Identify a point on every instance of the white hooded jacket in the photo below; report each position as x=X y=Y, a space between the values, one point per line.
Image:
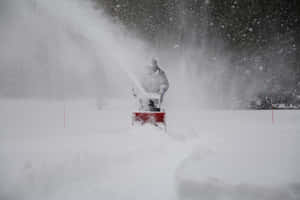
x=155 y=81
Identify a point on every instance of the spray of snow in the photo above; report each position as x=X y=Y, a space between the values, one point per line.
x=55 y=43
x=67 y=49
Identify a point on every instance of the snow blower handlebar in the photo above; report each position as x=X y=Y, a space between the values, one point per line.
x=156 y=98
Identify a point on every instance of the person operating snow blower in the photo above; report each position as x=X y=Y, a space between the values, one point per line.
x=154 y=84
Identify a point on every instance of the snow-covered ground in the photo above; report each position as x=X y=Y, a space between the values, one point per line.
x=98 y=155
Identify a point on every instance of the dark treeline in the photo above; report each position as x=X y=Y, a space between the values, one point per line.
x=261 y=37
x=248 y=25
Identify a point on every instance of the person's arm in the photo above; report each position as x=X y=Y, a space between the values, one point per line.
x=163 y=89
x=165 y=85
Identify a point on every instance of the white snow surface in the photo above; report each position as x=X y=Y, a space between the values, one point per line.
x=99 y=155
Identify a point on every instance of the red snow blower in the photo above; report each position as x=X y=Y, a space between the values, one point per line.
x=150 y=112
